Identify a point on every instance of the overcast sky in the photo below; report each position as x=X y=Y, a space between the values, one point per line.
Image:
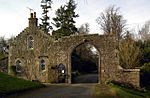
x=14 y=13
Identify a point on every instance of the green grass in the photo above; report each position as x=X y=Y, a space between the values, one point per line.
x=122 y=92
x=119 y=92
x=9 y=84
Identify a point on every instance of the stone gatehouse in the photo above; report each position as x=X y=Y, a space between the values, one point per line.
x=35 y=55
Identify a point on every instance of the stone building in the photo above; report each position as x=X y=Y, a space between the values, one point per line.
x=36 y=55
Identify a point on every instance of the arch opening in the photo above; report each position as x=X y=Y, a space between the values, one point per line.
x=85 y=64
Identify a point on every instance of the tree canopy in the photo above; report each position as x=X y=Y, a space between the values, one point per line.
x=46 y=6
x=64 y=20
x=144 y=32
x=129 y=52
x=111 y=21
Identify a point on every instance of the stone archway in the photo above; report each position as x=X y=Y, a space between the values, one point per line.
x=106 y=45
x=69 y=80
x=59 y=51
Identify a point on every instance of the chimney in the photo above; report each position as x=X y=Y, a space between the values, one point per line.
x=33 y=21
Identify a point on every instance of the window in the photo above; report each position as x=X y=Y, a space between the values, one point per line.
x=18 y=66
x=42 y=64
x=30 y=42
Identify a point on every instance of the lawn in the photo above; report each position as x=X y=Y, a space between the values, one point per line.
x=120 y=92
x=9 y=84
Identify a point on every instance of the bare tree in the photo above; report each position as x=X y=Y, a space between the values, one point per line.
x=129 y=52
x=84 y=29
x=144 y=32
x=111 y=21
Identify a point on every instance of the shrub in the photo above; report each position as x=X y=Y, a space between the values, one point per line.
x=145 y=75
x=146 y=67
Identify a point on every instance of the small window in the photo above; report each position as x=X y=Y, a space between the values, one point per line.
x=42 y=64
x=30 y=42
x=18 y=66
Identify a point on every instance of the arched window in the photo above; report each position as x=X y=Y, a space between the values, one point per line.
x=42 y=64
x=18 y=66
x=30 y=42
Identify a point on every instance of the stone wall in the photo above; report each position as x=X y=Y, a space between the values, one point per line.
x=130 y=76
x=56 y=52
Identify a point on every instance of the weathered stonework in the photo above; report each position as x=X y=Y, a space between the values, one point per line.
x=55 y=52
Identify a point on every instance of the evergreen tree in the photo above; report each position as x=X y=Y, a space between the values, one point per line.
x=64 y=20
x=45 y=25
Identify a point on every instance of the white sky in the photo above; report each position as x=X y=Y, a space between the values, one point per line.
x=14 y=13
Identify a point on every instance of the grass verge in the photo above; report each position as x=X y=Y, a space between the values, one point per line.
x=9 y=84
x=116 y=91
x=98 y=91
x=122 y=92
x=103 y=91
